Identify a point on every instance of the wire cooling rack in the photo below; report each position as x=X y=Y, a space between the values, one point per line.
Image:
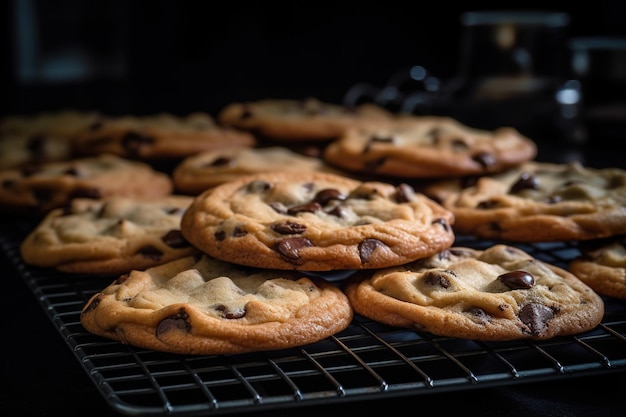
x=366 y=361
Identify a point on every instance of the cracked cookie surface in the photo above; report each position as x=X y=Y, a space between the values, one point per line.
x=500 y=293
x=199 y=305
x=317 y=222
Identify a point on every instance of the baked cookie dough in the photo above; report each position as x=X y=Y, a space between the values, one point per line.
x=109 y=237
x=602 y=265
x=202 y=306
x=500 y=293
x=290 y=120
x=36 y=190
x=428 y=147
x=315 y=221
x=198 y=172
x=537 y=202
x=158 y=137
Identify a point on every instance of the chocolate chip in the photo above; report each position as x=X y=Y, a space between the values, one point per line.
x=375 y=164
x=95 y=301
x=305 y=208
x=150 y=252
x=443 y=223
x=338 y=211
x=258 y=186
x=377 y=139
x=436 y=279
x=288 y=228
x=72 y=171
x=536 y=316
x=133 y=142
x=221 y=235
x=278 y=207
x=487 y=204
x=239 y=231
x=290 y=247
x=35 y=145
x=525 y=181
x=329 y=194
x=230 y=314
x=175 y=239
x=179 y=321
x=484 y=159
x=404 y=193
x=222 y=161
x=478 y=314
x=367 y=247
x=517 y=280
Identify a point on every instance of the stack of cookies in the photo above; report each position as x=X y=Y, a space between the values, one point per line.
x=233 y=247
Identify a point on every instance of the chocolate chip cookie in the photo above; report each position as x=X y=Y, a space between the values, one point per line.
x=110 y=236
x=202 y=306
x=36 y=190
x=316 y=221
x=537 y=202
x=602 y=265
x=428 y=147
x=290 y=120
x=500 y=293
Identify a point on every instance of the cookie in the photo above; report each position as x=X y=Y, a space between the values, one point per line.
x=40 y=138
x=428 y=147
x=500 y=293
x=537 y=202
x=36 y=190
x=602 y=266
x=109 y=237
x=158 y=137
x=198 y=172
x=202 y=306
x=288 y=120
x=315 y=221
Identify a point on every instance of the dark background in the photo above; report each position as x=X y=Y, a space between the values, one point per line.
x=139 y=57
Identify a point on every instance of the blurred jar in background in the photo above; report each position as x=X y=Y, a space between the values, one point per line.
x=513 y=71
x=599 y=64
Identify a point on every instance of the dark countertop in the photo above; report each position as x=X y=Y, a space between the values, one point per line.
x=42 y=377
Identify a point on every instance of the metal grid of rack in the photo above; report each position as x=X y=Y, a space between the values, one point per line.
x=366 y=361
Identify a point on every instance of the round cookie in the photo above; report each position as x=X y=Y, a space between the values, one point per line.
x=288 y=120
x=315 y=221
x=198 y=172
x=602 y=266
x=109 y=237
x=537 y=202
x=40 y=138
x=202 y=306
x=157 y=137
x=500 y=293
x=428 y=147
x=36 y=190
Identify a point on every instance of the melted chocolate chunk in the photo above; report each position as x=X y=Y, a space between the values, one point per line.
x=338 y=211
x=367 y=247
x=133 y=142
x=150 y=252
x=525 y=181
x=175 y=239
x=484 y=159
x=311 y=207
x=220 y=235
x=288 y=228
x=222 y=161
x=536 y=317
x=179 y=321
x=517 y=280
x=324 y=196
x=290 y=247
x=478 y=314
x=436 y=279
x=404 y=193
x=93 y=303
x=230 y=314
x=239 y=231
